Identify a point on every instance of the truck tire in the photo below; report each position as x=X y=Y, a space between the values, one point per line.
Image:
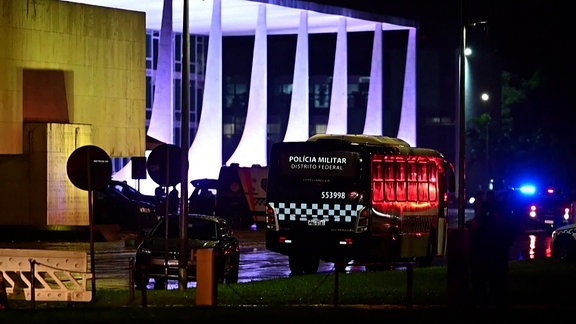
x=303 y=264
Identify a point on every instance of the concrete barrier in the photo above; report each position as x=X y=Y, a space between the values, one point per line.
x=58 y=275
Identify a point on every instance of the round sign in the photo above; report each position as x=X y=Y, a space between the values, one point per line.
x=89 y=167
x=164 y=165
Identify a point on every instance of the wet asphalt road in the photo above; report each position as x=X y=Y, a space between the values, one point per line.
x=113 y=259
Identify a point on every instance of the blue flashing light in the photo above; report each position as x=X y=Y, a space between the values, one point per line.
x=528 y=189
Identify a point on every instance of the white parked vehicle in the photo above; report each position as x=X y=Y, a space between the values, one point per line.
x=564 y=243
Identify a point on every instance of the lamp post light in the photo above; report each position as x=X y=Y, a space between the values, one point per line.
x=485 y=97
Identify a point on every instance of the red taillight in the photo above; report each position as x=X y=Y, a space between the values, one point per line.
x=270 y=216
x=284 y=239
x=346 y=241
x=363 y=219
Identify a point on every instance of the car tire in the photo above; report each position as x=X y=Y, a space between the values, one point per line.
x=159 y=283
x=231 y=277
x=565 y=248
x=139 y=281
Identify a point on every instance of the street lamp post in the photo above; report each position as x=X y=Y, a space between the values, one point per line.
x=461 y=128
x=184 y=146
x=457 y=247
x=488 y=168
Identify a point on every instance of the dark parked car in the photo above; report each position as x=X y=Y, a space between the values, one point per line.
x=118 y=203
x=124 y=188
x=204 y=231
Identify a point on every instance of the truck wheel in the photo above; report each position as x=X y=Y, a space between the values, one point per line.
x=296 y=265
x=311 y=265
x=340 y=267
x=303 y=264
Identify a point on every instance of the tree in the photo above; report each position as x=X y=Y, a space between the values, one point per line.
x=508 y=141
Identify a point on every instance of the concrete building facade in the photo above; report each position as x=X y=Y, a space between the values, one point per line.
x=69 y=79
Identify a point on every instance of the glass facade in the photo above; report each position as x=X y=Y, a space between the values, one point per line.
x=281 y=48
x=236 y=82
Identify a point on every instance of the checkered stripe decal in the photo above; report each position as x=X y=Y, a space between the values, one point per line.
x=260 y=201
x=305 y=211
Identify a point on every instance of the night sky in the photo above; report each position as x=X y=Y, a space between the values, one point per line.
x=526 y=34
x=524 y=38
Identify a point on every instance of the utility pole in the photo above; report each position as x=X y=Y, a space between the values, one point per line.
x=184 y=147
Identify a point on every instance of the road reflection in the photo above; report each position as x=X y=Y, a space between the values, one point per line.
x=532 y=245
x=257 y=263
x=113 y=260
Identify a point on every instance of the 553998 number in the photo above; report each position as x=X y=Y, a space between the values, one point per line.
x=333 y=195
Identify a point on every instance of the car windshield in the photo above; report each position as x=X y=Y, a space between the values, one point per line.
x=197 y=230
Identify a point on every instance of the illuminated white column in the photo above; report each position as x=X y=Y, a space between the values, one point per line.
x=407 y=128
x=298 y=120
x=252 y=148
x=162 y=119
x=338 y=117
x=205 y=154
x=373 y=122
x=161 y=125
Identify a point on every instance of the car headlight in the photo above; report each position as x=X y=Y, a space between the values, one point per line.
x=145 y=210
x=144 y=251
